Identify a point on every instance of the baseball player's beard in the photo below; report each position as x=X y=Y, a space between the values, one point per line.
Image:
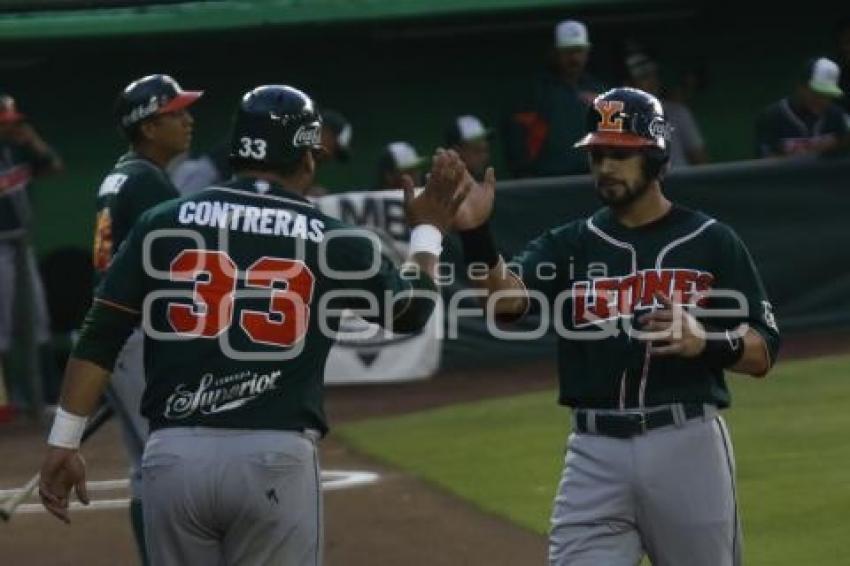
x=620 y=194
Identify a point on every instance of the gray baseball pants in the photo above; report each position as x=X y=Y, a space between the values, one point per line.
x=125 y=394
x=668 y=493
x=232 y=497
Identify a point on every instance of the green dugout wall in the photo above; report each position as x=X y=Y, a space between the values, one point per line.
x=399 y=75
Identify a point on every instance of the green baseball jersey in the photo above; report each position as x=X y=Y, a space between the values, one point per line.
x=134 y=185
x=240 y=289
x=601 y=276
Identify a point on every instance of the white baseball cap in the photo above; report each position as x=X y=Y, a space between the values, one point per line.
x=465 y=128
x=823 y=77
x=403 y=156
x=571 y=33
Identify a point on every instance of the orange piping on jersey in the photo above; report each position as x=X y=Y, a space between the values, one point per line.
x=117 y=306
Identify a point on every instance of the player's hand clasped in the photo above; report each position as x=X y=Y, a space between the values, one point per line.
x=671 y=330
x=444 y=192
x=478 y=205
x=62 y=469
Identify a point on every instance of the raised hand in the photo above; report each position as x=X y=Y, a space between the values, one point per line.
x=478 y=205
x=444 y=193
x=62 y=470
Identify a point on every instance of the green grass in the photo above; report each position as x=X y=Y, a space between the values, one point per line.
x=791 y=441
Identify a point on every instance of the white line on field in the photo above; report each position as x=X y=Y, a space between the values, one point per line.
x=105 y=485
x=332 y=480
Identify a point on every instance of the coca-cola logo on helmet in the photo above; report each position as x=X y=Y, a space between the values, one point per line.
x=308 y=135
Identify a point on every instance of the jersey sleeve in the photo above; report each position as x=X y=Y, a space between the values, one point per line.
x=117 y=305
x=401 y=299
x=737 y=272
x=123 y=285
x=538 y=266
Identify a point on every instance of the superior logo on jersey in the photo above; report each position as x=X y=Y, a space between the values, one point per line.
x=607 y=110
x=610 y=298
x=251 y=219
x=219 y=395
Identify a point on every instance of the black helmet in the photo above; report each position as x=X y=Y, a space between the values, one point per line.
x=627 y=117
x=150 y=96
x=274 y=126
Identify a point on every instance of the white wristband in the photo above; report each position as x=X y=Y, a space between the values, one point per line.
x=67 y=430
x=426 y=238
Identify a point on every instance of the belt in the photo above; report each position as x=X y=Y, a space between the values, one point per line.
x=626 y=424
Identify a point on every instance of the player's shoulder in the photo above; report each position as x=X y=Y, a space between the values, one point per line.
x=132 y=171
x=712 y=227
x=260 y=193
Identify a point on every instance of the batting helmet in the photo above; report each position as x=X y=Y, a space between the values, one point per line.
x=273 y=128
x=628 y=117
x=150 y=96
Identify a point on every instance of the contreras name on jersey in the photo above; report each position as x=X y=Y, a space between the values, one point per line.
x=251 y=219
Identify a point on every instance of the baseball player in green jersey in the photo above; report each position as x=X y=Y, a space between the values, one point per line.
x=152 y=113
x=240 y=289
x=642 y=349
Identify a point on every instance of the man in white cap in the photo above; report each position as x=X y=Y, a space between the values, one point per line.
x=809 y=121
x=543 y=129
x=687 y=146
x=471 y=140
x=398 y=159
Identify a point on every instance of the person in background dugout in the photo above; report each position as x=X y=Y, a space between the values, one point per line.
x=336 y=144
x=191 y=173
x=399 y=159
x=24 y=156
x=809 y=121
x=336 y=137
x=471 y=140
x=541 y=131
x=686 y=144
x=842 y=36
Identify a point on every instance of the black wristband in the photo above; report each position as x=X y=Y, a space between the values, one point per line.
x=479 y=246
x=722 y=351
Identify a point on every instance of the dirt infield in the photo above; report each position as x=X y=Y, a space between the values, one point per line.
x=398 y=520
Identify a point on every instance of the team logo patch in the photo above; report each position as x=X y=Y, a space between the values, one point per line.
x=142 y=111
x=308 y=135
x=659 y=128
x=609 y=298
x=607 y=110
x=768 y=316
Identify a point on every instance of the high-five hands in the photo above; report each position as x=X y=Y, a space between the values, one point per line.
x=443 y=195
x=478 y=206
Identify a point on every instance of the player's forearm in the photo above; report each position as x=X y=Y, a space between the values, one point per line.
x=82 y=386
x=502 y=286
x=426 y=263
x=755 y=360
x=487 y=270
